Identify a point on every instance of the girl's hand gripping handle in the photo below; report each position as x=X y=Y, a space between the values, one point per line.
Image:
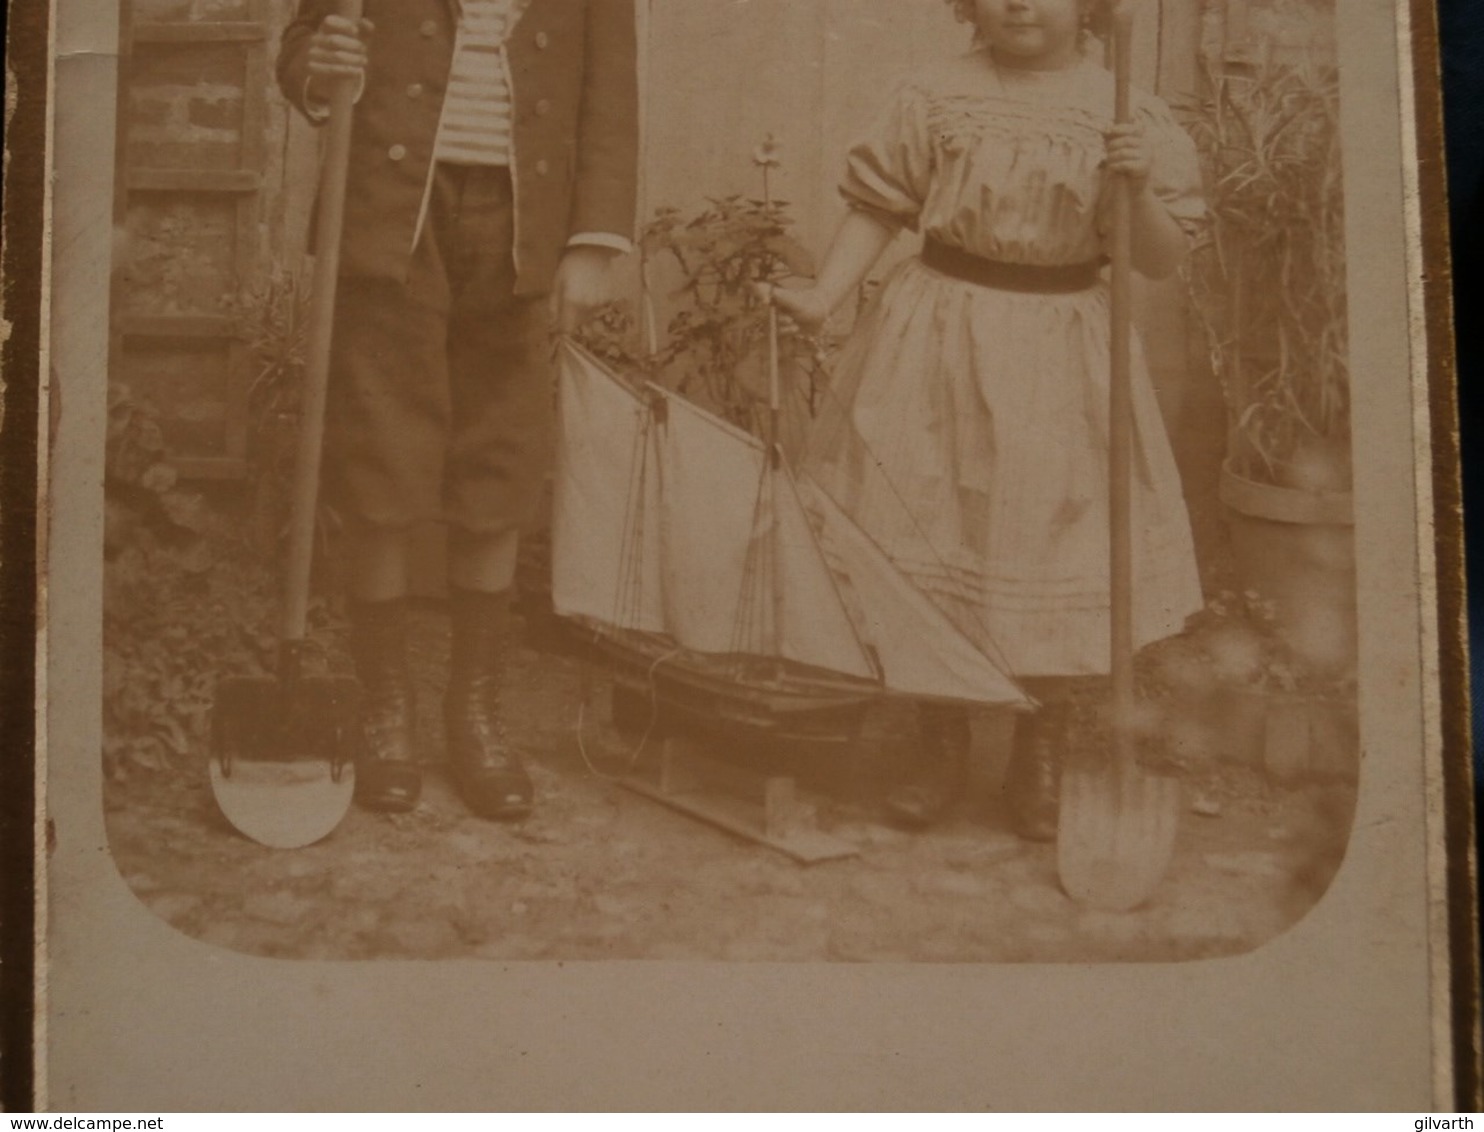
x=857 y=246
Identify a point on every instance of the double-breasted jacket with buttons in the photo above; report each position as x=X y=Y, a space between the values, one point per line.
x=574 y=150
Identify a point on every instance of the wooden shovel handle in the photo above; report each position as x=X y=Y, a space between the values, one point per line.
x=1120 y=414
x=329 y=222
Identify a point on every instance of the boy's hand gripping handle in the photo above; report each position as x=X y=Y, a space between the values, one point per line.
x=330 y=220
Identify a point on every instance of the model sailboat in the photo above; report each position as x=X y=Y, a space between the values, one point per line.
x=727 y=585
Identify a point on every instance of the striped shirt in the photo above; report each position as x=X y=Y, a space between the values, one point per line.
x=475 y=128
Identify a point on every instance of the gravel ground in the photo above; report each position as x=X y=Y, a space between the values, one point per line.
x=599 y=872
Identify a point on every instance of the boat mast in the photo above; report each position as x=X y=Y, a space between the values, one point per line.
x=767 y=158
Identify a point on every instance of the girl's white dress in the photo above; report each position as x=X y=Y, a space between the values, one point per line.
x=967 y=427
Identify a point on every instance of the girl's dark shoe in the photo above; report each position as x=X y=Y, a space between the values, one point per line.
x=942 y=777
x=387 y=774
x=488 y=773
x=1033 y=779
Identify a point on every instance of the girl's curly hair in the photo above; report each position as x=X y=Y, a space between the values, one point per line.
x=1098 y=18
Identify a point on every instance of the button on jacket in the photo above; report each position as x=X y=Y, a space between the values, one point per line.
x=574 y=161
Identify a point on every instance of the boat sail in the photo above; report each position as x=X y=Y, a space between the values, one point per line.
x=691 y=550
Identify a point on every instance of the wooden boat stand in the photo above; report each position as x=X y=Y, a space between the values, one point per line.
x=763 y=808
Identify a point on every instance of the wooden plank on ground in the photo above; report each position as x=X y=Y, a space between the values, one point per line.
x=761 y=808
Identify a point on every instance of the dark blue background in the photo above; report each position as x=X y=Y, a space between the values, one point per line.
x=1461 y=23
x=1462 y=27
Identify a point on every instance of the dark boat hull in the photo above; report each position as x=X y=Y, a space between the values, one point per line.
x=782 y=701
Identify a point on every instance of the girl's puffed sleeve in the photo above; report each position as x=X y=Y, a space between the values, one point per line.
x=1176 y=173
x=887 y=174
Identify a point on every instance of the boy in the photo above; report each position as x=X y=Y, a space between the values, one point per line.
x=492 y=176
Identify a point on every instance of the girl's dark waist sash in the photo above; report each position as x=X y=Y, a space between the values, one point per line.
x=1029 y=278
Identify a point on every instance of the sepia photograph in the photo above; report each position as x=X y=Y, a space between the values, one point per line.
x=808 y=512
x=749 y=597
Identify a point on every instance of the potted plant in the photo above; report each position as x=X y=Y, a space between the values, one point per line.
x=1267 y=282
x=704 y=267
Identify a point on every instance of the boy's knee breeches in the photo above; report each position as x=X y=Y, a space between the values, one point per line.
x=441 y=397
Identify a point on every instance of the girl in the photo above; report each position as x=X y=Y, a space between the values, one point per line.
x=967 y=430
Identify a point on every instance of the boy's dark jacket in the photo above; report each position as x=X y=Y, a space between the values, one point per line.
x=575 y=132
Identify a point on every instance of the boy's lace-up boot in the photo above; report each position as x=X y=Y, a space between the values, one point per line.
x=487 y=771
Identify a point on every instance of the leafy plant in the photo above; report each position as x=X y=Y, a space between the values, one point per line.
x=273 y=313
x=715 y=348
x=186 y=599
x=1268 y=277
x=155 y=551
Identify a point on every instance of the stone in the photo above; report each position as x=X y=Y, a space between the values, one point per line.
x=513 y=946
x=870 y=836
x=1113 y=927
x=945 y=949
x=1286 y=740
x=750 y=950
x=985 y=848
x=609 y=905
x=1039 y=899
x=675 y=950
x=226 y=935
x=478 y=845
x=878 y=888
x=1046 y=933
x=537 y=891
x=172 y=907
x=610 y=930
x=785 y=882
x=863 y=951
x=277 y=908
x=1207 y=925
x=1206 y=807
x=448 y=876
x=1246 y=864
x=304 y=867
x=424 y=937
x=950 y=884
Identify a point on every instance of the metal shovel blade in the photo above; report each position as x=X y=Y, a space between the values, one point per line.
x=282 y=762
x=1115 y=836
